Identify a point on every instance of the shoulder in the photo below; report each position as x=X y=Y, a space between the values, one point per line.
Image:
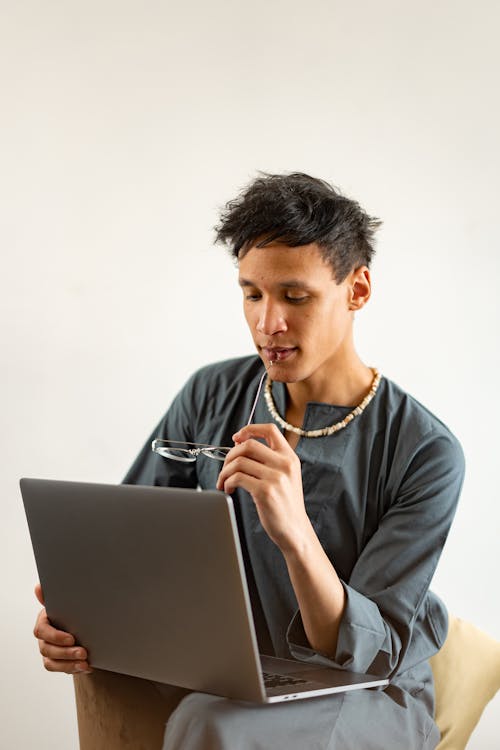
x=229 y=369
x=227 y=373
x=404 y=411
x=413 y=429
x=222 y=382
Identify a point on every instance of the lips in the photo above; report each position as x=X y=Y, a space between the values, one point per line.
x=278 y=354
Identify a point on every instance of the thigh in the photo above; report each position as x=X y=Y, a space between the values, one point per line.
x=368 y=719
x=389 y=719
x=118 y=712
x=207 y=722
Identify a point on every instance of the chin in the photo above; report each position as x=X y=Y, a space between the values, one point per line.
x=283 y=374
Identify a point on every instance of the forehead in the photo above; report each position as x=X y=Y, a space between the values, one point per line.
x=277 y=262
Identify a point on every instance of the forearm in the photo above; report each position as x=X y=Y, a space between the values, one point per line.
x=319 y=591
x=271 y=474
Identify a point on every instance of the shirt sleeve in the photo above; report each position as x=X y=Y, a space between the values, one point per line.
x=388 y=607
x=150 y=468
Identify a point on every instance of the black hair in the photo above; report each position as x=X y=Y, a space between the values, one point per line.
x=298 y=209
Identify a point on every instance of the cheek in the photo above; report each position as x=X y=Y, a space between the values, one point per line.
x=250 y=318
x=308 y=324
x=323 y=330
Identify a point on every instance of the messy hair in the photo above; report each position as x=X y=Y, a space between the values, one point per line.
x=297 y=209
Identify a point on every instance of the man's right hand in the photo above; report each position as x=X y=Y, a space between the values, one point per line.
x=57 y=647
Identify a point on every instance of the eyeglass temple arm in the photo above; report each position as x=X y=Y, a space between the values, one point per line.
x=257 y=397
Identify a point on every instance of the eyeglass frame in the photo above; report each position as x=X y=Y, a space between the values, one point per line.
x=192 y=452
x=197 y=449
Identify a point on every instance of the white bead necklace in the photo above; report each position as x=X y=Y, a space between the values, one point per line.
x=324 y=430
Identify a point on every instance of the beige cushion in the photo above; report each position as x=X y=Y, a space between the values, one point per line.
x=467 y=676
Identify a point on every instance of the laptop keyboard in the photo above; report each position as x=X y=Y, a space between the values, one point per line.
x=280 y=680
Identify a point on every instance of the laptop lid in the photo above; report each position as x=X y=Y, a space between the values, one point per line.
x=149 y=579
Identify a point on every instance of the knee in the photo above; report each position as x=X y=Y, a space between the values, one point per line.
x=201 y=721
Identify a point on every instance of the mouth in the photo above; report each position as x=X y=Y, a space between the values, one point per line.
x=277 y=354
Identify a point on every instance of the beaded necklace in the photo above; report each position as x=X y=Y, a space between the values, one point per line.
x=324 y=430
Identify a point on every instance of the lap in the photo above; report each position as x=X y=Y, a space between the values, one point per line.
x=375 y=719
x=119 y=711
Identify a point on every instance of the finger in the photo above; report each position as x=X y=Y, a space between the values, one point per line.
x=62 y=653
x=244 y=481
x=39 y=594
x=269 y=432
x=242 y=465
x=259 y=453
x=253 y=449
x=46 y=632
x=68 y=667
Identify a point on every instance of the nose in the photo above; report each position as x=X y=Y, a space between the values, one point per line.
x=271 y=319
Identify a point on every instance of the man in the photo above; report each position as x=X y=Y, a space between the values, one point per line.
x=344 y=486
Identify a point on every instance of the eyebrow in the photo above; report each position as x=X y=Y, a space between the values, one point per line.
x=287 y=284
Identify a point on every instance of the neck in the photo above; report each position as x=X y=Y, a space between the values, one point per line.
x=293 y=429
x=344 y=384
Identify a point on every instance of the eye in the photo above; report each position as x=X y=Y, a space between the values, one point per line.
x=296 y=300
x=252 y=296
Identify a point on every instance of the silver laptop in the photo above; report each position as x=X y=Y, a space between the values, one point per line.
x=151 y=581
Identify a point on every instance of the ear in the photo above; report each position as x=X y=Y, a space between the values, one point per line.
x=360 y=287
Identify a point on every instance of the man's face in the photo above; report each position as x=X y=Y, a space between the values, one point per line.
x=299 y=317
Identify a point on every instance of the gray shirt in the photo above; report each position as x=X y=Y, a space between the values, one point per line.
x=381 y=495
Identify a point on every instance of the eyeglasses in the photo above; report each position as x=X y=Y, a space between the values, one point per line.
x=188 y=452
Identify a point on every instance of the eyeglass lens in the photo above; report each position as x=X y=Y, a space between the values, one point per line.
x=188 y=455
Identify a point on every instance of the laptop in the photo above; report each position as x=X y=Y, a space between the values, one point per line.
x=151 y=581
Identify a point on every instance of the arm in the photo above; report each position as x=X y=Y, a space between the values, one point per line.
x=391 y=620
x=386 y=596
x=319 y=591
x=271 y=474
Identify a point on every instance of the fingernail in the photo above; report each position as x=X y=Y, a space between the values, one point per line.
x=82 y=668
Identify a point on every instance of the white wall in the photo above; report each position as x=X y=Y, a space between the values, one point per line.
x=125 y=125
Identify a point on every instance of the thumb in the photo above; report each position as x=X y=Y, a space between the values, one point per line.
x=39 y=594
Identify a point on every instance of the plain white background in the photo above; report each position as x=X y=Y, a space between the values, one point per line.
x=124 y=127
